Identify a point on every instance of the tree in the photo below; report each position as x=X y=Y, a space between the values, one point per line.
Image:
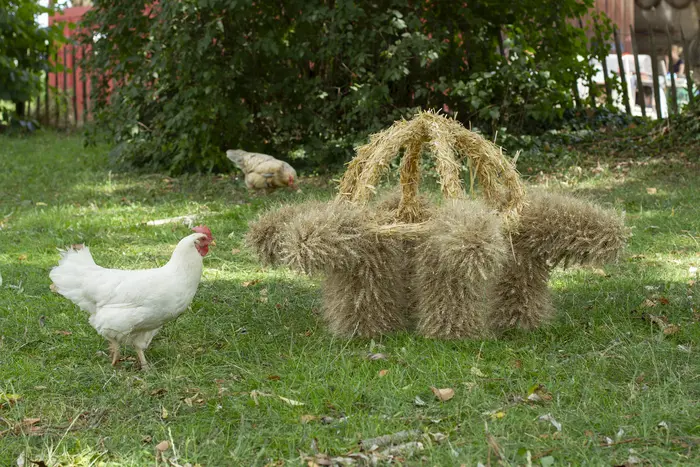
x=180 y=82
x=24 y=50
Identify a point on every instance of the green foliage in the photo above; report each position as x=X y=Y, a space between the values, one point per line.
x=180 y=82
x=24 y=50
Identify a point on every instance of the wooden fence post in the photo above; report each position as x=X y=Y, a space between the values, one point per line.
x=75 y=85
x=591 y=89
x=639 y=87
x=655 y=73
x=623 y=75
x=46 y=86
x=84 y=80
x=65 y=80
x=674 y=94
x=689 y=68
x=57 y=110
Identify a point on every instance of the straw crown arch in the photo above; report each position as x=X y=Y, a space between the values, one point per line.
x=449 y=143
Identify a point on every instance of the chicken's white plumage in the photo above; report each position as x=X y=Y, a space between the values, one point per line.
x=130 y=306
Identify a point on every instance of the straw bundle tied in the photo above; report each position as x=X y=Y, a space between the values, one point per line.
x=449 y=143
x=460 y=268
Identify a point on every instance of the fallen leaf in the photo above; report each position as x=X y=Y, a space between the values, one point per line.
x=10 y=399
x=647 y=303
x=162 y=446
x=538 y=393
x=274 y=378
x=53 y=288
x=63 y=333
x=235 y=251
x=163 y=413
x=22 y=257
x=498 y=415
x=159 y=392
x=548 y=418
x=250 y=283
x=308 y=418
x=419 y=402
x=146 y=439
x=291 y=402
x=254 y=394
x=40 y=203
x=192 y=400
x=663 y=301
x=443 y=395
x=662 y=425
x=547 y=461
x=378 y=356
x=671 y=329
x=438 y=437
x=477 y=372
x=383 y=373
x=651 y=191
x=30 y=421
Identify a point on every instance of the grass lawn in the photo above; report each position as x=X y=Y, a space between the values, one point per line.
x=620 y=366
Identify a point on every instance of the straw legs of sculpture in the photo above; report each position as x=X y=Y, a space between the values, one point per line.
x=461 y=275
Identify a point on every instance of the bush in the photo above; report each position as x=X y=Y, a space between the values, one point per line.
x=308 y=80
x=24 y=51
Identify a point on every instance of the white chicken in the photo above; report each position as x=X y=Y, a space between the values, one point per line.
x=262 y=171
x=129 y=307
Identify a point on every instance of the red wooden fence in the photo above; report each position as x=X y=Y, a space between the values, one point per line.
x=68 y=90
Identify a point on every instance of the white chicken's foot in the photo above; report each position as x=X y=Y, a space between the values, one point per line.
x=114 y=352
x=143 y=363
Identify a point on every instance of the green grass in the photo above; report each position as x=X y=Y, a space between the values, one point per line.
x=611 y=372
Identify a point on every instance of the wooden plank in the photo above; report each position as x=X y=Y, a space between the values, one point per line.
x=655 y=73
x=84 y=80
x=46 y=90
x=591 y=89
x=57 y=110
x=606 y=79
x=638 y=71
x=65 y=81
x=688 y=67
x=674 y=94
x=75 y=86
x=623 y=76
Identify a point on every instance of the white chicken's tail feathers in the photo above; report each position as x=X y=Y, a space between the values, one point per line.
x=77 y=256
x=69 y=274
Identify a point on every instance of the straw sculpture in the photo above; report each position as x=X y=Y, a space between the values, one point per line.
x=457 y=268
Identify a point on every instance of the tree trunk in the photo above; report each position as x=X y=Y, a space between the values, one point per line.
x=20 y=109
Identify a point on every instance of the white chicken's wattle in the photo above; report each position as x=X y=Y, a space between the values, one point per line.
x=130 y=306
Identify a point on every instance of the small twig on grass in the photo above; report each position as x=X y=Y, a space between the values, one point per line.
x=372 y=444
x=405 y=449
x=542 y=454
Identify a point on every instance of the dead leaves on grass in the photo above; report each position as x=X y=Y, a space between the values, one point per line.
x=395 y=447
x=443 y=395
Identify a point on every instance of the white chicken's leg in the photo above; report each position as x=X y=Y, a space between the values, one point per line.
x=114 y=352
x=141 y=343
x=143 y=364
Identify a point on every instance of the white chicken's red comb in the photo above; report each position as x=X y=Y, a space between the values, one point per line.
x=204 y=230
